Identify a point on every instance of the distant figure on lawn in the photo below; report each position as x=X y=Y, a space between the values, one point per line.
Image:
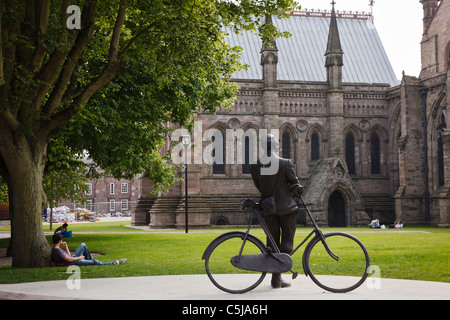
x=375 y=224
x=62 y=229
x=81 y=256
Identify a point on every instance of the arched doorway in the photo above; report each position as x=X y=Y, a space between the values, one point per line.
x=336 y=210
x=221 y=221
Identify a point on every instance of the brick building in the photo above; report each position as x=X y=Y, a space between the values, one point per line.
x=109 y=196
x=364 y=144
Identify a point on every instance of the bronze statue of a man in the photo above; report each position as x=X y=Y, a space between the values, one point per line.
x=282 y=185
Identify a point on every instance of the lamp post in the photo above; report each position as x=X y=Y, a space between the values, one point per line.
x=186 y=141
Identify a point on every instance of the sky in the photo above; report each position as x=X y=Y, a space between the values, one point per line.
x=399 y=25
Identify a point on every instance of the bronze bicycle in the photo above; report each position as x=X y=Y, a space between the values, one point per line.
x=325 y=257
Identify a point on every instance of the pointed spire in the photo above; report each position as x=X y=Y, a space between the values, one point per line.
x=269 y=59
x=334 y=56
x=271 y=44
x=334 y=42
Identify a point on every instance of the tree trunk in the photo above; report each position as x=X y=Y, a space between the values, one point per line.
x=9 y=251
x=51 y=217
x=26 y=166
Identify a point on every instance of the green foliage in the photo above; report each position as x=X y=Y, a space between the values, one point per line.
x=4 y=198
x=178 y=64
x=65 y=175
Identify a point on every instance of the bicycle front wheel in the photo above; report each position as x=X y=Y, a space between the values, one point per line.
x=218 y=265
x=344 y=275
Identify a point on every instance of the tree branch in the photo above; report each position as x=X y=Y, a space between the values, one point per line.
x=111 y=70
x=135 y=38
x=32 y=55
x=118 y=27
x=10 y=120
x=48 y=74
x=72 y=61
x=98 y=84
x=64 y=15
x=25 y=51
x=42 y=8
x=55 y=121
x=9 y=52
x=58 y=56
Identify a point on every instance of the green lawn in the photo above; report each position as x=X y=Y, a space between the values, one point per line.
x=420 y=255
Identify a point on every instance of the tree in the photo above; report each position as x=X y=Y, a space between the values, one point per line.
x=65 y=176
x=108 y=87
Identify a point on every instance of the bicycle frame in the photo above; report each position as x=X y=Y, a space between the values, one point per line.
x=318 y=233
x=272 y=242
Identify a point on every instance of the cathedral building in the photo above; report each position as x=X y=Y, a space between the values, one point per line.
x=364 y=144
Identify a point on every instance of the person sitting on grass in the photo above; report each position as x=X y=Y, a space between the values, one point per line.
x=62 y=229
x=375 y=224
x=81 y=256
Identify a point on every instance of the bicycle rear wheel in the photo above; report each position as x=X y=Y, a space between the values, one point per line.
x=218 y=262
x=341 y=276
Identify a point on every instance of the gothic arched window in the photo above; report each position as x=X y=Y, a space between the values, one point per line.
x=315 y=146
x=375 y=156
x=218 y=166
x=441 y=161
x=249 y=147
x=442 y=127
x=246 y=164
x=350 y=153
x=286 y=145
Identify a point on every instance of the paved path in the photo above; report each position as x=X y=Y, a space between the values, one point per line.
x=198 y=287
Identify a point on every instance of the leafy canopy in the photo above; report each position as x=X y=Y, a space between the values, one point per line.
x=134 y=67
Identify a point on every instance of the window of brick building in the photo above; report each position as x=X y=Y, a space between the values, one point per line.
x=89 y=189
x=124 y=204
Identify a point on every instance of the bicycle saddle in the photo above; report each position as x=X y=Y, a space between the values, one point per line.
x=247 y=203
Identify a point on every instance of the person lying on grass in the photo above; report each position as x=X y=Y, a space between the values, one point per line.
x=81 y=256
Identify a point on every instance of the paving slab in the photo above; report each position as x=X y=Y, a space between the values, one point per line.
x=199 y=287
